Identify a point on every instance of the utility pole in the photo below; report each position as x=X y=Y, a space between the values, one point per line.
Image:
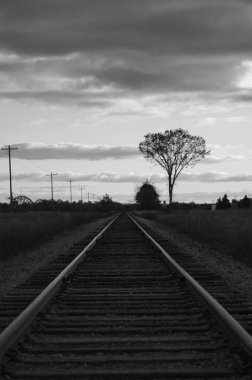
x=51 y=175
x=88 y=196
x=81 y=188
x=9 y=149
x=70 y=182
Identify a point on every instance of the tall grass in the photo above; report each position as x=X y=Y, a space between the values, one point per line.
x=228 y=230
x=25 y=230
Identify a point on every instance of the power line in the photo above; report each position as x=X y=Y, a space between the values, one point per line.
x=38 y=166
x=17 y=161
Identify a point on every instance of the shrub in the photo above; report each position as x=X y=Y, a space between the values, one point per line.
x=147 y=197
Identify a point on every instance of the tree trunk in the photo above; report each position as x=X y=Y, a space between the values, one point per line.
x=170 y=186
x=170 y=195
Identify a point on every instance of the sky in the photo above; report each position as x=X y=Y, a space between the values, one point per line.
x=82 y=83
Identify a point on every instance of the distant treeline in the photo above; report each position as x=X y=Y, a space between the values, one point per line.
x=104 y=205
x=224 y=203
x=107 y=204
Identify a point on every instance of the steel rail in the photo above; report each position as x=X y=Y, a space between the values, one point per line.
x=234 y=330
x=16 y=329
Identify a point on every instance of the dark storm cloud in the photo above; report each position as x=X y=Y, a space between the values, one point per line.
x=136 y=73
x=56 y=51
x=58 y=27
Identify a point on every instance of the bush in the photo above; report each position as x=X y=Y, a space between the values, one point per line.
x=147 y=197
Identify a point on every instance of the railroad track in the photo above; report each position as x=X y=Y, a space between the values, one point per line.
x=123 y=313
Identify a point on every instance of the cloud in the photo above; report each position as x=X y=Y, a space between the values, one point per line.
x=92 y=53
x=209 y=196
x=235 y=119
x=39 y=122
x=227 y=153
x=243 y=96
x=61 y=151
x=47 y=28
x=111 y=177
x=222 y=158
x=68 y=98
x=106 y=177
x=245 y=81
x=208 y=121
x=211 y=177
x=39 y=151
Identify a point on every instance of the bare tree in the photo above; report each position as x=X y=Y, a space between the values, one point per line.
x=173 y=150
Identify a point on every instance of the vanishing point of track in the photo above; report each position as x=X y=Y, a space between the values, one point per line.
x=124 y=312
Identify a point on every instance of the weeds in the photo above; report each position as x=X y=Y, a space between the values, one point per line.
x=25 y=230
x=227 y=230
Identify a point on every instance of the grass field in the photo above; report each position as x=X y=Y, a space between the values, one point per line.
x=227 y=230
x=24 y=230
